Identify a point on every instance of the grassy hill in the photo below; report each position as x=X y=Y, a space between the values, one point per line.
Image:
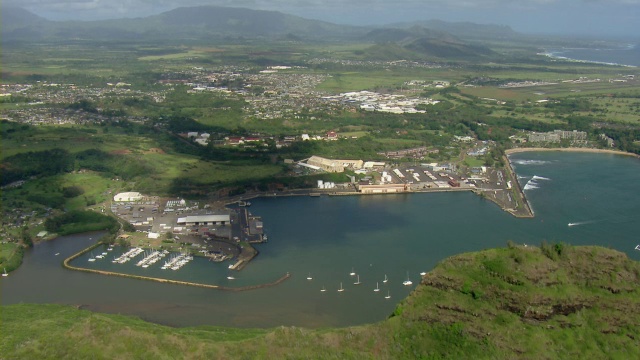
x=556 y=301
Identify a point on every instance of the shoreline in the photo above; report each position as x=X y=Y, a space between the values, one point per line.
x=571 y=149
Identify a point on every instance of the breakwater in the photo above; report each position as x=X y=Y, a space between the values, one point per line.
x=524 y=211
x=66 y=264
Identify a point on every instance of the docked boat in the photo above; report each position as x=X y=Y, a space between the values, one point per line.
x=244 y=203
x=358 y=281
x=423 y=273
x=4 y=274
x=230 y=277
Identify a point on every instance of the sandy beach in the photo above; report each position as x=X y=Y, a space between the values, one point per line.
x=570 y=149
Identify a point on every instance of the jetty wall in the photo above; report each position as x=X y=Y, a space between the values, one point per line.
x=66 y=264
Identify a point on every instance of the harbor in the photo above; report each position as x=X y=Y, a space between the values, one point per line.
x=332 y=235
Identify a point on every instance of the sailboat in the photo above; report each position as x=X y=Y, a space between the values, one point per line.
x=92 y=258
x=423 y=273
x=230 y=277
x=385 y=279
x=357 y=282
x=341 y=288
x=353 y=272
x=407 y=282
x=309 y=277
x=388 y=295
x=377 y=287
x=323 y=289
x=5 y=273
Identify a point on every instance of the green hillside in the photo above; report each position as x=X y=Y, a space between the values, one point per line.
x=556 y=301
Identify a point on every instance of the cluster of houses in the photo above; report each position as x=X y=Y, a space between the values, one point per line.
x=389 y=103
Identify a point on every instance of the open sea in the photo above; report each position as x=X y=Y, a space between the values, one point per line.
x=327 y=237
x=629 y=55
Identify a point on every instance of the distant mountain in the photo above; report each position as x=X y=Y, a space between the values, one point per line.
x=420 y=42
x=467 y=30
x=201 y=22
x=18 y=23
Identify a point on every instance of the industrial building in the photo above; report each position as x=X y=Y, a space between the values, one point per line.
x=327 y=165
x=205 y=220
x=382 y=189
x=127 y=196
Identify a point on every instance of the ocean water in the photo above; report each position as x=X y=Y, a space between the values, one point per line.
x=394 y=235
x=629 y=55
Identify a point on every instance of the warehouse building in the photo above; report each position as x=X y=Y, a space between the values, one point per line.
x=196 y=220
x=382 y=189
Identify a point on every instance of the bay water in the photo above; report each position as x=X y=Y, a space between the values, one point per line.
x=578 y=198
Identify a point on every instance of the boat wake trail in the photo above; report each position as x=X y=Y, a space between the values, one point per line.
x=583 y=223
x=533 y=182
x=530 y=162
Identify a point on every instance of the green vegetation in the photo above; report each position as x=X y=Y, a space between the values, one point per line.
x=10 y=256
x=78 y=221
x=504 y=303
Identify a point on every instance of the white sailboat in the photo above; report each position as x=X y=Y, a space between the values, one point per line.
x=388 y=295
x=407 y=282
x=423 y=273
x=385 y=279
x=92 y=259
x=4 y=274
x=357 y=282
x=353 y=272
x=323 y=289
x=309 y=277
x=341 y=288
x=377 y=287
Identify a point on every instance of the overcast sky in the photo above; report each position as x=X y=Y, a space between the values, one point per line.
x=593 y=17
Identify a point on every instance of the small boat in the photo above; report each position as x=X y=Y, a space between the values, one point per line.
x=388 y=295
x=385 y=279
x=92 y=259
x=230 y=277
x=323 y=289
x=353 y=272
x=57 y=254
x=309 y=277
x=341 y=288
x=4 y=274
x=423 y=273
x=407 y=282
x=358 y=281
x=244 y=203
x=377 y=287
x=638 y=247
